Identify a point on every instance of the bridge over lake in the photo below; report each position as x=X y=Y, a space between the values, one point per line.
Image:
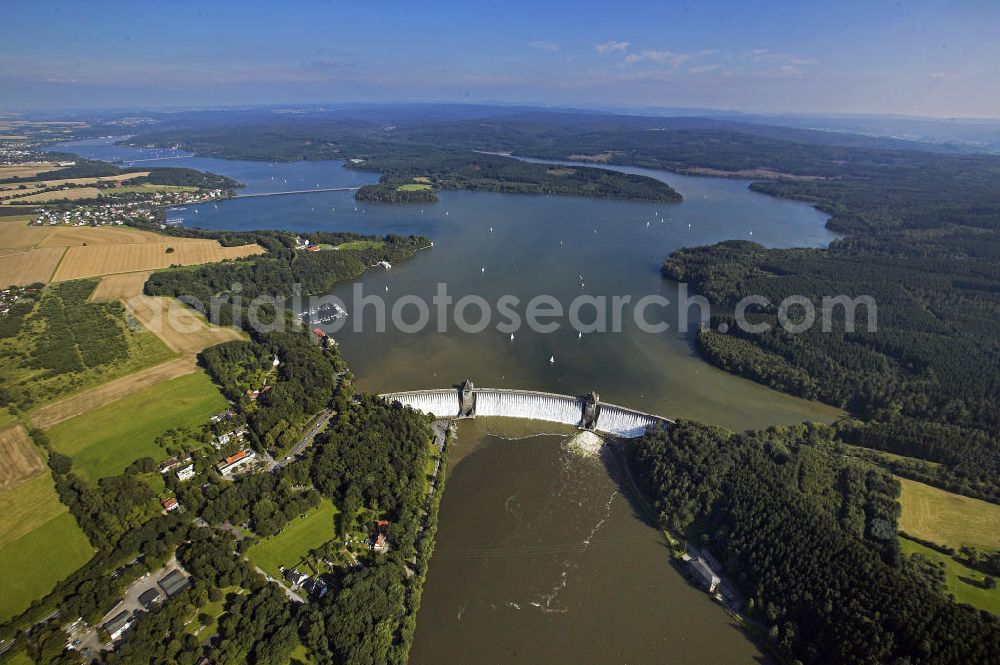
x=316 y=190
x=584 y=412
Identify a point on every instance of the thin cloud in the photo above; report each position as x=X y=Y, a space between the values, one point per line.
x=543 y=45
x=704 y=69
x=660 y=57
x=612 y=46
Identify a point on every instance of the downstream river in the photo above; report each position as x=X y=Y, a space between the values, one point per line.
x=525 y=517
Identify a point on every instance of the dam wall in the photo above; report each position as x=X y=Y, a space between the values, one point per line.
x=529 y=405
x=625 y=423
x=585 y=412
x=442 y=403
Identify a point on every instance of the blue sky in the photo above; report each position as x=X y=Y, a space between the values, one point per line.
x=919 y=57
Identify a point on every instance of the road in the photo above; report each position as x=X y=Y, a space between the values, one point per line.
x=319 y=424
x=292 y=596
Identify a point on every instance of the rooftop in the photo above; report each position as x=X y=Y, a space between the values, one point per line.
x=174 y=582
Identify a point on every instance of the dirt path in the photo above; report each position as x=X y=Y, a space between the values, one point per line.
x=68 y=407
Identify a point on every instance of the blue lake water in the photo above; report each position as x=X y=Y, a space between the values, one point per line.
x=492 y=245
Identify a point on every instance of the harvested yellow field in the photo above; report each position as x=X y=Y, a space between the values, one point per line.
x=120 y=287
x=46 y=184
x=96 y=251
x=16 y=234
x=73 y=236
x=95 y=260
x=21 y=460
x=74 y=194
x=181 y=328
x=26 y=170
x=94 y=180
x=112 y=391
x=30 y=266
x=946 y=518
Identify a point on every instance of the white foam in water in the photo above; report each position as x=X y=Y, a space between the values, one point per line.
x=586 y=444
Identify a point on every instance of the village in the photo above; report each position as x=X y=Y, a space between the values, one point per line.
x=127 y=208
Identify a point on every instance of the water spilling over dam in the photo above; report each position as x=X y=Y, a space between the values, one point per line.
x=585 y=412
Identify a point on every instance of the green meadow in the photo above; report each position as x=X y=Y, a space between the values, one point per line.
x=947 y=518
x=361 y=244
x=105 y=441
x=40 y=544
x=293 y=543
x=960 y=580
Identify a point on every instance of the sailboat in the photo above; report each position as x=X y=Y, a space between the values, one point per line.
x=512 y=337
x=552 y=360
x=579 y=335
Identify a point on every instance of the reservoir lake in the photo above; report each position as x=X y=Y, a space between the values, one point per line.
x=540 y=554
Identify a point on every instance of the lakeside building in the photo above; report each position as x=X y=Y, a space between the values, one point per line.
x=702 y=573
x=150 y=598
x=172 y=463
x=174 y=582
x=380 y=537
x=223 y=415
x=237 y=463
x=316 y=588
x=295 y=577
x=118 y=625
x=227 y=437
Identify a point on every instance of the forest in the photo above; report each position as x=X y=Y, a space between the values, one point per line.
x=483 y=172
x=927 y=380
x=89 y=168
x=278 y=272
x=392 y=191
x=809 y=537
x=304 y=383
x=400 y=156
